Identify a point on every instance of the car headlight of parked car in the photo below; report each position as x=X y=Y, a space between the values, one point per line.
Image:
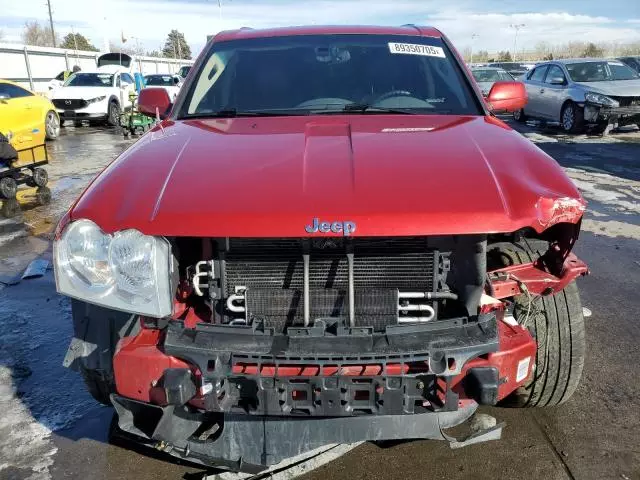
x=126 y=270
x=97 y=99
x=599 y=99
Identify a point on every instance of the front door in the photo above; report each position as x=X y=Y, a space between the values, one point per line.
x=535 y=91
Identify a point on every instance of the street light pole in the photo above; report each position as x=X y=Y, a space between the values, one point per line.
x=517 y=28
x=53 y=33
x=473 y=37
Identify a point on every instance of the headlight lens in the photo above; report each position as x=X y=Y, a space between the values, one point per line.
x=126 y=271
x=600 y=99
x=97 y=99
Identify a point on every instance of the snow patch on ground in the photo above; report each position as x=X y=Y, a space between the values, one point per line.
x=25 y=444
x=37 y=394
x=611 y=228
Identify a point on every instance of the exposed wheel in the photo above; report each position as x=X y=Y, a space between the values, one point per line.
x=10 y=208
x=572 y=118
x=40 y=176
x=8 y=187
x=599 y=129
x=52 y=125
x=43 y=196
x=113 y=117
x=519 y=116
x=555 y=322
x=98 y=387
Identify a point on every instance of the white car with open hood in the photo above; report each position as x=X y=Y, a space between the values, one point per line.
x=97 y=96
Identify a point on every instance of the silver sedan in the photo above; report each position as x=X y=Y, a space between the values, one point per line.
x=602 y=94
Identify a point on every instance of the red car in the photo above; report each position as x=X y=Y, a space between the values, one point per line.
x=328 y=238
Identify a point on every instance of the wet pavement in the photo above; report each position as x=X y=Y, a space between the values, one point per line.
x=51 y=428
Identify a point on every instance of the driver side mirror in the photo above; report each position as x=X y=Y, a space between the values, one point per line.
x=507 y=97
x=154 y=100
x=557 y=81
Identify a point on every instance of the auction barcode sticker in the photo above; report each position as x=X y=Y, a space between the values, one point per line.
x=523 y=369
x=416 y=49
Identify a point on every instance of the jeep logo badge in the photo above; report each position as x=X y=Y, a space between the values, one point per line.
x=346 y=228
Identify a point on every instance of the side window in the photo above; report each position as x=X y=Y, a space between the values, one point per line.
x=538 y=74
x=117 y=80
x=555 y=73
x=60 y=76
x=127 y=78
x=13 y=91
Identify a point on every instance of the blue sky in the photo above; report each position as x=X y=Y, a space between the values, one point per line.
x=553 y=21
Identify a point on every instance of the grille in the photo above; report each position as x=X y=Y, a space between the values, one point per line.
x=69 y=104
x=273 y=272
x=627 y=101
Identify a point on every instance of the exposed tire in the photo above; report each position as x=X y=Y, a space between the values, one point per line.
x=8 y=188
x=599 y=129
x=113 y=117
x=519 y=116
x=572 y=118
x=97 y=385
x=40 y=177
x=556 y=322
x=10 y=208
x=52 y=125
x=43 y=196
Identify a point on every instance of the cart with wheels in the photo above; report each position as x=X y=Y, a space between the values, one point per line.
x=132 y=121
x=26 y=169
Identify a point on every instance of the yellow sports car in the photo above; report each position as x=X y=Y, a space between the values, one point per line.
x=25 y=117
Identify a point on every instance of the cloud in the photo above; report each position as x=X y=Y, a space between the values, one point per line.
x=495 y=32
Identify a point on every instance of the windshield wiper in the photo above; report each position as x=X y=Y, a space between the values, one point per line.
x=234 y=113
x=369 y=108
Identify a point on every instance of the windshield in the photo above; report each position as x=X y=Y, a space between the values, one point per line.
x=159 y=80
x=299 y=75
x=491 y=75
x=89 y=80
x=600 y=71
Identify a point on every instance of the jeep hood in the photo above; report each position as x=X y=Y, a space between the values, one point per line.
x=270 y=177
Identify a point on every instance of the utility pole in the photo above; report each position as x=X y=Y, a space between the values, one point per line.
x=517 y=28
x=53 y=34
x=473 y=37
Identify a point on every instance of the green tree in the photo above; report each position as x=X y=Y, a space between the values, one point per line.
x=176 y=46
x=592 y=50
x=504 y=56
x=77 y=42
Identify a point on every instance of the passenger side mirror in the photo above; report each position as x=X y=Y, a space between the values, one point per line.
x=557 y=81
x=507 y=97
x=154 y=100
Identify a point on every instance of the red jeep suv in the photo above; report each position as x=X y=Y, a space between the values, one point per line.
x=329 y=237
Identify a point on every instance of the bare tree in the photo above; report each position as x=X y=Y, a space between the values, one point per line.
x=36 y=34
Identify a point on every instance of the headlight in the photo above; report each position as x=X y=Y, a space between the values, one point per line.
x=126 y=271
x=599 y=99
x=97 y=99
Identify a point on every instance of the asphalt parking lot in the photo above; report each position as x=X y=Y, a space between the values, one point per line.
x=52 y=429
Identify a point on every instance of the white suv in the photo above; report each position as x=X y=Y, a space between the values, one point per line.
x=97 y=96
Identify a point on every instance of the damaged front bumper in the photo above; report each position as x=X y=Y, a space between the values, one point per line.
x=620 y=116
x=246 y=399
